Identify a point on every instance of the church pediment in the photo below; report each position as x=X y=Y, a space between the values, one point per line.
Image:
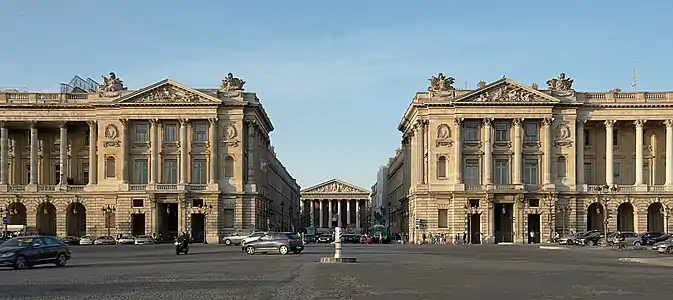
x=169 y=92
x=506 y=91
x=334 y=186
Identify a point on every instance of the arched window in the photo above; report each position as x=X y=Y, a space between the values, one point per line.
x=229 y=167
x=441 y=167
x=561 y=167
x=110 y=167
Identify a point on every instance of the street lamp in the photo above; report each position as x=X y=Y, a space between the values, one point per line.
x=205 y=210
x=549 y=203
x=8 y=212
x=107 y=211
x=470 y=210
x=602 y=193
x=565 y=210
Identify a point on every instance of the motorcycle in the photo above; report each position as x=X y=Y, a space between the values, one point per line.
x=181 y=246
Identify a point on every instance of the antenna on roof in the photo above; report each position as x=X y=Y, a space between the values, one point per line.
x=634 y=84
x=465 y=85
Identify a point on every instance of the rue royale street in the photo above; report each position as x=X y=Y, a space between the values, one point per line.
x=382 y=272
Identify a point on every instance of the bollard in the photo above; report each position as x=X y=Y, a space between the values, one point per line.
x=337 y=242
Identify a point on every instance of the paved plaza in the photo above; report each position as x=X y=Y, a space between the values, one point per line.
x=382 y=272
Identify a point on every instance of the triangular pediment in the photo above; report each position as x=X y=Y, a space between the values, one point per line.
x=334 y=186
x=168 y=92
x=506 y=91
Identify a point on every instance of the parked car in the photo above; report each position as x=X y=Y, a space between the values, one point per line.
x=86 y=240
x=282 y=242
x=325 y=238
x=630 y=238
x=71 y=240
x=662 y=244
x=143 y=240
x=365 y=239
x=126 y=240
x=105 y=240
x=573 y=239
x=350 y=238
x=592 y=238
x=309 y=239
x=665 y=247
x=253 y=237
x=235 y=238
x=26 y=251
x=653 y=237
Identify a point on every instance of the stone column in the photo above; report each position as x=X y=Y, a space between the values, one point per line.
x=579 y=153
x=212 y=139
x=33 y=153
x=518 y=148
x=4 y=153
x=348 y=212
x=93 y=158
x=669 y=152
x=184 y=151
x=357 y=214
x=458 y=163
x=321 y=218
x=312 y=213
x=548 y=149
x=488 y=151
x=423 y=170
x=125 y=146
x=639 y=151
x=609 y=173
x=154 y=150
x=330 y=212
x=63 y=153
x=339 y=213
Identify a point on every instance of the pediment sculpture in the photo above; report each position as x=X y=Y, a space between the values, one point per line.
x=441 y=83
x=232 y=84
x=335 y=187
x=111 y=87
x=507 y=93
x=561 y=84
x=168 y=95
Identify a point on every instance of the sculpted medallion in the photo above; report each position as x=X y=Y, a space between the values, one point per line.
x=230 y=135
x=563 y=135
x=443 y=136
x=111 y=131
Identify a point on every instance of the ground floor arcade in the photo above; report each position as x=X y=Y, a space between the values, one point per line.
x=208 y=217
x=529 y=217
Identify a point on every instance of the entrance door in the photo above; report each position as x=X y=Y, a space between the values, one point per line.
x=534 y=228
x=138 y=224
x=198 y=228
x=504 y=222
x=475 y=229
x=168 y=221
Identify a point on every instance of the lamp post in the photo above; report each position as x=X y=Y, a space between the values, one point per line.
x=551 y=205
x=206 y=209
x=107 y=211
x=291 y=222
x=565 y=210
x=602 y=198
x=469 y=210
x=8 y=213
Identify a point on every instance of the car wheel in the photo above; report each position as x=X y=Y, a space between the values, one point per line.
x=570 y=242
x=61 y=260
x=177 y=251
x=250 y=250
x=283 y=250
x=227 y=242
x=669 y=250
x=20 y=263
x=637 y=244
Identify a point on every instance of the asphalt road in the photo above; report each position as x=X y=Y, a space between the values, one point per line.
x=382 y=272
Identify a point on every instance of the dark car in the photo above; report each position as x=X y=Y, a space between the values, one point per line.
x=309 y=239
x=653 y=237
x=26 y=251
x=325 y=238
x=71 y=240
x=350 y=238
x=284 y=243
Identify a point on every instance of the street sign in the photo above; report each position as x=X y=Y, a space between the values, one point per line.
x=5 y=220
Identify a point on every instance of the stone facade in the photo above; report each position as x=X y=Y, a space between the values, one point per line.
x=162 y=159
x=508 y=159
x=335 y=203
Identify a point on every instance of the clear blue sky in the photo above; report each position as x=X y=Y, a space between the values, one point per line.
x=336 y=76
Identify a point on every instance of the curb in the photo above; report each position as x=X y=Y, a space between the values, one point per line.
x=648 y=261
x=553 y=248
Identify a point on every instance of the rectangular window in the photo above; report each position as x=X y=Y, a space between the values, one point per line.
x=199 y=168
x=501 y=132
x=87 y=137
x=531 y=132
x=443 y=218
x=647 y=174
x=138 y=203
x=142 y=132
x=615 y=137
x=616 y=172
x=471 y=171
x=534 y=202
x=587 y=137
x=85 y=173
x=57 y=174
x=26 y=171
x=472 y=131
x=530 y=172
x=197 y=202
x=587 y=173
x=140 y=171
x=170 y=133
x=169 y=171
x=200 y=133
x=502 y=171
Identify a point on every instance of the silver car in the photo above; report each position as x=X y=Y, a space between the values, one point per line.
x=235 y=238
x=664 y=247
x=126 y=240
x=86 y=240
x=143 y=240
x=253 y=237
x=630 y=238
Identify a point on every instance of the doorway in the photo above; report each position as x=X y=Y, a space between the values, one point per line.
x=504 y=222
x=534 y=230
x=475 y=229
x=168 y=221
x=198 y=228
x=137 y=224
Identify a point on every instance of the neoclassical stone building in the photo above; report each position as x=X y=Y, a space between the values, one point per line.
x=98 y=159
x=335 y=203
x=508 y=159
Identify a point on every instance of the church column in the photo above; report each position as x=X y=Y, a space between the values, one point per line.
x=321 y=216
x=184 y=151
x=312 y=212
x=609 y=156
x=348 y=212
x=424 y=152
x=458 y=160
x=548 y=148
x=331 y=213
x=212 y=139
x=579 y=152
x=154 y=150
x=33 y=153
x=93 y=144
x=357 y=214
x=63 y=153
x=517 y=152
x=639 y=151
x=488 y=150
x=4 y=153
x=669 y=152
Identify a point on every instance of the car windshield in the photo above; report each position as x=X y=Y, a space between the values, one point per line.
x=127 y=237
x=293 y=236
x=142 y=237
x=18 y=242
x=86 y=237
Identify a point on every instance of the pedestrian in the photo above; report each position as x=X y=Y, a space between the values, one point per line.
x=482 y=238
x=532 y=237
x=424 y=237
x=464 y=238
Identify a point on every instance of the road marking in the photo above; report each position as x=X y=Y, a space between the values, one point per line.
x=552 y=248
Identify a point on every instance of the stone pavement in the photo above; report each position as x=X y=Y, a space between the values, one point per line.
x=382 y=272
